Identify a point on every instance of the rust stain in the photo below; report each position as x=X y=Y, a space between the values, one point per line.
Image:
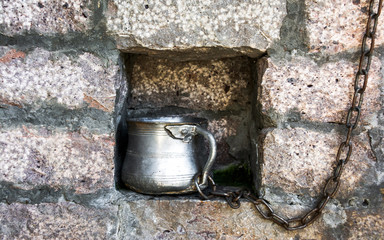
x=28 y=132
x=12 y=54
x=110 y=143
x=112 y=8
x=94 y=103
x=7 y=102
x=382 y=190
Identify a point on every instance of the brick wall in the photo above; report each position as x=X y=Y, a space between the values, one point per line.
x=274 y=78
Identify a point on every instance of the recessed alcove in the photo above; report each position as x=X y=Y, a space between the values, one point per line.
x=221 y=90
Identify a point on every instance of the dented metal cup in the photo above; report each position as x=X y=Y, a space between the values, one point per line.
x=165 y=155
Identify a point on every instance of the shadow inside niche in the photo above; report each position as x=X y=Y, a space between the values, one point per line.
x=121 y=135
x=121 y=146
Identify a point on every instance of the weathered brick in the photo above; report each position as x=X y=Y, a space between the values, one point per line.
x=56 y=221
x=44 y=17
x=299 y=160
x=240 y=28
x=335 y=26
x=320 y=93
x=30 y=78
x=36 y=156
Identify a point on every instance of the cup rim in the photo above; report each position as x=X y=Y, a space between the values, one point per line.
x=168 y=120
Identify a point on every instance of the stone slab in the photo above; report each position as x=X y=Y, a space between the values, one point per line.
x=301 y=89
x=232 y=28
x=63 y=220
x=299 y=161
x=194 y=219
x=176 y=218
x=334 y=26
x=72 y=81
x=44 y=17
x=35 y=156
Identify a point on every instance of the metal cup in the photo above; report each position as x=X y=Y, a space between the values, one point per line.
x=164 y=155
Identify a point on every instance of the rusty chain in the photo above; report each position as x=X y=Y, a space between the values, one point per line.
x=332 y=185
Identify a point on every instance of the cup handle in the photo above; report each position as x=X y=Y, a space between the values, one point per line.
x=185 y=133
x=212 y=153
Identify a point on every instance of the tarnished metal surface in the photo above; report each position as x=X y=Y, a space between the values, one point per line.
x=164 y=155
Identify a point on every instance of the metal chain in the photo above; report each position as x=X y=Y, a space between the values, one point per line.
x=344 y=152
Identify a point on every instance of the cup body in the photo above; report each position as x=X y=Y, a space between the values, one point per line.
x=156 y=163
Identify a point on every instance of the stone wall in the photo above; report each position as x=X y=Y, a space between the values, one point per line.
x=274 y=78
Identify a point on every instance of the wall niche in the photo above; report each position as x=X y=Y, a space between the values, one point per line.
x=220 y=90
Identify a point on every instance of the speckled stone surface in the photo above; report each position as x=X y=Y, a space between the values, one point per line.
x=40 y=75
x=335 y=26
x=319 y=93
x=44 y=17
x=300 y=160
x=177 y=218
x=35 y=156
x=199 y=85
x=56 y=221
x=366 y=224
x=58 y=85
x=193 y=219
x=241 y=27
x=377 y=142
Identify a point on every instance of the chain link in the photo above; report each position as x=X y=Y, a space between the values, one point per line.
x=344 y=152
